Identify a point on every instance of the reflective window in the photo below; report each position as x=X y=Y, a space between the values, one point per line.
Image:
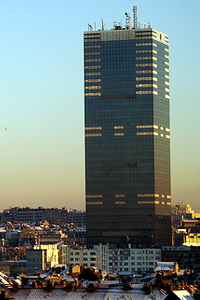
x=93 y=60
x=93 y=87
x=92 y=46
x=147 y=92
x=118 y=127
x=148 y=195
x=93 y=74
x=147 y=126
x=93 y=128
x=93 y=134
x=147 y=72
x=93 y=94
x=146 y=78
x=93 y=80
x=146 y=85
x=93 y=67
x=92 y=53
x=147 y=65
x=146 y=44
x=146 y=133
x=146 y=58
x=119 y=134
x=146 y=51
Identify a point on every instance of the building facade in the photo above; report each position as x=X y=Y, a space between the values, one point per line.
x=127 y=137
x=106 y=258
x=186 y=257
x=40 y=214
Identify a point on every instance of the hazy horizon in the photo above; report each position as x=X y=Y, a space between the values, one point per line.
x=41 y=90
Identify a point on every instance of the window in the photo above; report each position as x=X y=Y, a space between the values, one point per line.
x=147 y=65
x=93 y=134
x=92 y=46
x=146 y=85
x=93 y=80
x=147 y=92
x=119 y=202
x=147 y=72
x=94 y=203
x=147 y=133
x=93 y=259
x=93 y=74
x=146 y=44
x=92 y=53
x=146 y=58
x=92 y=87
x=93 y=128
x=92 y=67
x=147 y=126
x=146 y=51
x=93 y=94
x=118 y=134
x=146 y=78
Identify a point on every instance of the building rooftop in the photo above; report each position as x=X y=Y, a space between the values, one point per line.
x=104 y=293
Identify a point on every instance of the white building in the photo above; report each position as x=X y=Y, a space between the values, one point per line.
x=132 y=259
x=114 y=260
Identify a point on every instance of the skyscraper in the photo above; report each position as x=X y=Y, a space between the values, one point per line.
x=127 y=136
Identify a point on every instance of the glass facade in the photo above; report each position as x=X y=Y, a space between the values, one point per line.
x=127 y=137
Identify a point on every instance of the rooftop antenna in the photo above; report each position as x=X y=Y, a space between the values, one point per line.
x=135 y=19
x=102 y=25
x=128 y=18
x=90 y=28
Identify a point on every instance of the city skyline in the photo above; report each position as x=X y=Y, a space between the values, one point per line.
x=42 y=97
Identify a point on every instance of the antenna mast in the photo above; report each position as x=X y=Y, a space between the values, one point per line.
x=102 y=25
x=128 y=18
x=135 y=19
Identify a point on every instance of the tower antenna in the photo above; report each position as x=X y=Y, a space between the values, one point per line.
x=102 y=25
x=128 y=18
x=135 y=19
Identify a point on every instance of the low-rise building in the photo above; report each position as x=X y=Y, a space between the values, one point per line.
x=114 y=260
x=132 y=259
x=42 y=257
x=186 y=257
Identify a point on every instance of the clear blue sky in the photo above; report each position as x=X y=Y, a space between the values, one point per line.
x=41 y=95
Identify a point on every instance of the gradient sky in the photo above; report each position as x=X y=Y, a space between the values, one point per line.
x=41 y=95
